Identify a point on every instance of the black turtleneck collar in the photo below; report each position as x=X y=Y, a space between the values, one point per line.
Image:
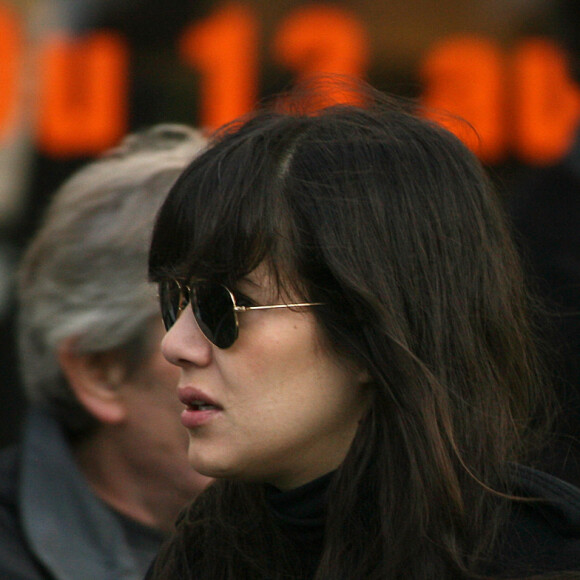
x=301 y=512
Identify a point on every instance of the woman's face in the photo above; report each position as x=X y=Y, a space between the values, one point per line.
x=277 y=406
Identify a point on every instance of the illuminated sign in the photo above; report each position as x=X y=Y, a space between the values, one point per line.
x=521 y=102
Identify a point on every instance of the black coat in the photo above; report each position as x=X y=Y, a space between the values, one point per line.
x=540 y=537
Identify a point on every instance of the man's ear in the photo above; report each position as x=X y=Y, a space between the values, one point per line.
x=96 y=380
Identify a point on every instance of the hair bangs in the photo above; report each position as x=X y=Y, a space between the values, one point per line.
x=220 y=221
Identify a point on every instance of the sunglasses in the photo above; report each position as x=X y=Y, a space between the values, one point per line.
x=214 y=308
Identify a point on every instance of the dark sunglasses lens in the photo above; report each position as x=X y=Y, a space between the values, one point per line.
x=170 y=299
x=214 y=311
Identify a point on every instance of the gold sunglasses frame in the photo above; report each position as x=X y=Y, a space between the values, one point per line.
x=236 y=307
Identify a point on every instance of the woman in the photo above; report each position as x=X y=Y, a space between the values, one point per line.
x=356 y=363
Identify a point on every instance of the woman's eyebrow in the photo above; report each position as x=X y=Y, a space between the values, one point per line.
x=252 y=280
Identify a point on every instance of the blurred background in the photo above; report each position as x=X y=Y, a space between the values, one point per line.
x=76 y=75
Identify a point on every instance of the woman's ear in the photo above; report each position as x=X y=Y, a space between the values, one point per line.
x=96 y=380
x=361 y=373
x=364 y=376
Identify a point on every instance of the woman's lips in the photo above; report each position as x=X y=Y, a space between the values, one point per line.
x=200 y=408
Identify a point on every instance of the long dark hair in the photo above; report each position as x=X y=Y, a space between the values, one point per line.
x=391 y=222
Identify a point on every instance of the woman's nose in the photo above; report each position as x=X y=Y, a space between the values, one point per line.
x=184 y=344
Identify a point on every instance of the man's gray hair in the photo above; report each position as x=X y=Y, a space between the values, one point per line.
x=84 y=274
